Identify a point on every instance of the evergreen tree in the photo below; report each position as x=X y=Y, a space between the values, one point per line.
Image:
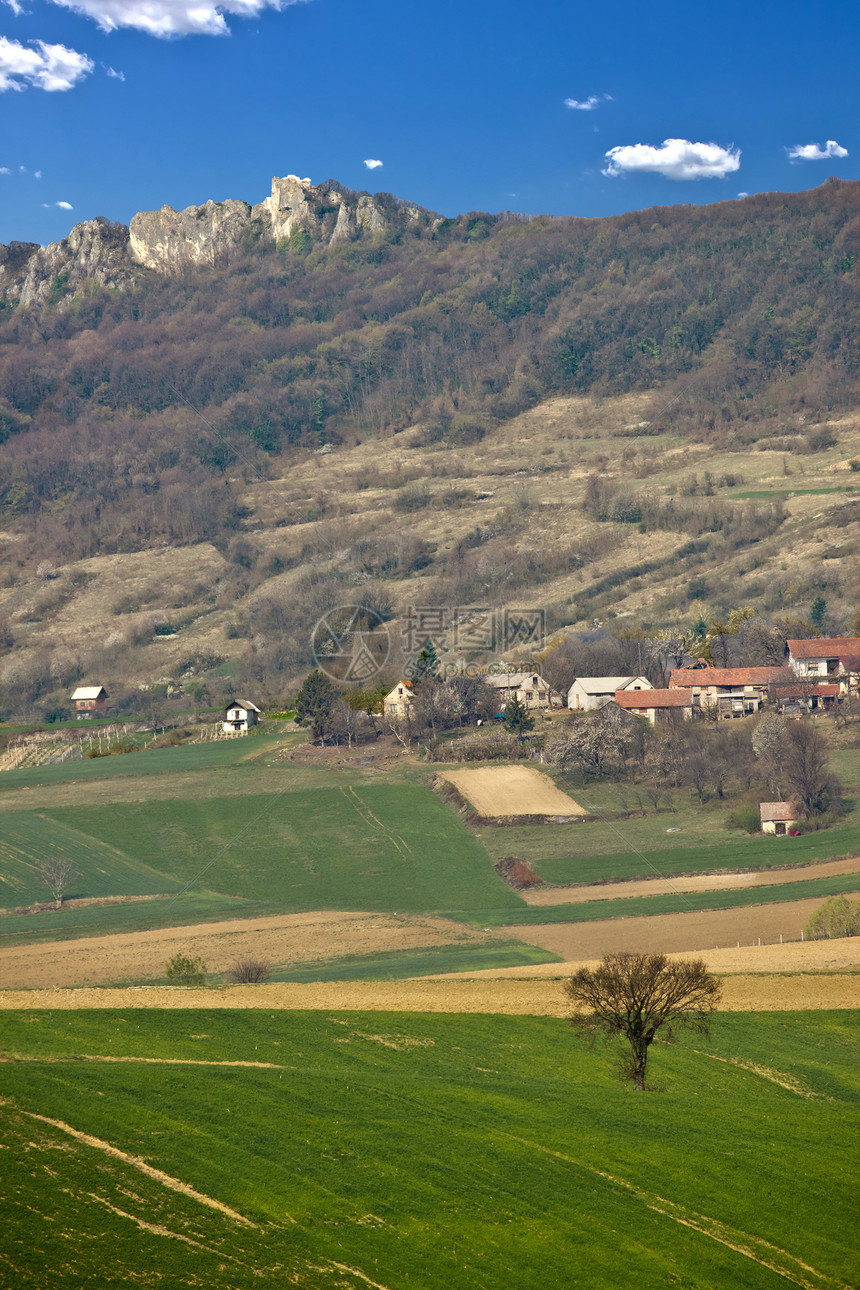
x=818 y=610
x=517 y=719
x=427 y=662
x=315 y=702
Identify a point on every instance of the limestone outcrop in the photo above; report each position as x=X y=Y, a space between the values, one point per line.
x=168 y=241
x=95 y=250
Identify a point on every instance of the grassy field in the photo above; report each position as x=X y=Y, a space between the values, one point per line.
x=397 y=964
x=224 y=830
x=434 y=1151
x=683 y=902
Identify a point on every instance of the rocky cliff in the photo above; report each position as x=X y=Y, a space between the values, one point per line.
x=169 y=241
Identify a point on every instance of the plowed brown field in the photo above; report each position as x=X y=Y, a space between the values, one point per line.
x=698 y=930
x=692 y=882
x=282 y=938
x=539 y=998
x=502 y=791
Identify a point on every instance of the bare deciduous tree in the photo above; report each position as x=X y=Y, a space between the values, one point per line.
x=807 y=777
x=55 y=873
x=637 y=995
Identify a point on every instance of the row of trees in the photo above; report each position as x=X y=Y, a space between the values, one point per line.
x=787 y=759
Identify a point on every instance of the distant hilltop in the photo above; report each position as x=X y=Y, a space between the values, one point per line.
x=168 y=241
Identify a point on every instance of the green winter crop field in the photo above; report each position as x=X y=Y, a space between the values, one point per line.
x=398 y=1150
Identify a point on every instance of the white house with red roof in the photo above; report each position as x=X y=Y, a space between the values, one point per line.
x=827 y=658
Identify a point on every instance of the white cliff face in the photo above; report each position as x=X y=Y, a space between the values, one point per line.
x=95 y=250
x=169 y=241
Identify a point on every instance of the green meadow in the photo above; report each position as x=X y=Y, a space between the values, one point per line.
x=397 y=1150
x=225 y=830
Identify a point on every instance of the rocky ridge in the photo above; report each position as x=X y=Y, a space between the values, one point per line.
x=168 y=241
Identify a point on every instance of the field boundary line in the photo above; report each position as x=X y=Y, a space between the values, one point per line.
x=167 y=1180
x=20 y=1059
x=751 y=1247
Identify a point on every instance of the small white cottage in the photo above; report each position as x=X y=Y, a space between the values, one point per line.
x=239 y=716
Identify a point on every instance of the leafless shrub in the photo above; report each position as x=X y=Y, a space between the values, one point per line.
x=249 y=971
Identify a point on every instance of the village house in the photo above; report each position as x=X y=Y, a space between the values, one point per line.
x=530 y=688
x=89 y=701
x=777 y=817
x=829 y=658
x=657 y=705
x=589 y=692
x=239 y=716
x=398 y=701
x=730 y=691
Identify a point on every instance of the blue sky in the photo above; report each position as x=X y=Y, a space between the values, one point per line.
x=468 y=106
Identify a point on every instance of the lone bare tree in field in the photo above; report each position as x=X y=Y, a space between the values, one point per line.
x=637 y=995
x=56 y=873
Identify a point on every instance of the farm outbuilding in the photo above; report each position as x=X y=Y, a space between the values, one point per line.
x=657 y=705
x=588 y=692
x=239 y=716
x=777 y=817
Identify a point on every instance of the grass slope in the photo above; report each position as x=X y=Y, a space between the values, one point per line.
x=429 y=1151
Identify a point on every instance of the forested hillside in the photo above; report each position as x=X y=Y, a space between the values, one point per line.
x=121 y=411
x=639 y=422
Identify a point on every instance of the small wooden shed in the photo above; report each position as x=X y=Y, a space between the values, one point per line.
x=777 y=817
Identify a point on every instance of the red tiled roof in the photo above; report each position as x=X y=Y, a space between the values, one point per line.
x=801 y=691
x=825 y=647
x=675 y=698
x=729 y=676
x=771 y=811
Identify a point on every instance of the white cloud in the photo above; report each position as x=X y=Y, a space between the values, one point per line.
x=166 y=18
x=16 y=8
x=113 y=73
x=44 y=67
x=675 y=158
x=37 y=174
x=812 y=152
x=65 y=206
x=4 y=170
x=589 y=104
x=371 y=164
x=743 y=194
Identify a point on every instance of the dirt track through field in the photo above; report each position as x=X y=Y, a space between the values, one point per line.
x=699 y=930
x=281 y=938
x=502 y=791
x=694 y=882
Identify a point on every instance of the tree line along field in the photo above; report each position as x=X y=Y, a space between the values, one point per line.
x=396 y=1149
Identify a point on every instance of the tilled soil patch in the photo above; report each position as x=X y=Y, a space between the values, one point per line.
x=693 y=882
x=538 y=998
x=699 y=930
x=282 y=938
